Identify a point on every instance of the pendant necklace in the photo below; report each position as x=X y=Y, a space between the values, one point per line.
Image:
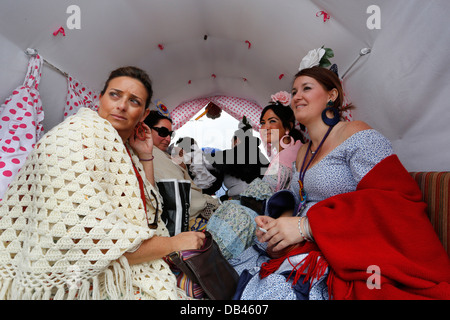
x=303 y=169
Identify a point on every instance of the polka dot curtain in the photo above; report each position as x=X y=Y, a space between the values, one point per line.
x=21 y=127
x=79 y=96
x=236 y=107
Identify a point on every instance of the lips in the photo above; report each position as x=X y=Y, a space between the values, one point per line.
x=118 y=117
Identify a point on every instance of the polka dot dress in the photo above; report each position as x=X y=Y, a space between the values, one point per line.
x=342 y=169
x=79 y=96
x=21 y=119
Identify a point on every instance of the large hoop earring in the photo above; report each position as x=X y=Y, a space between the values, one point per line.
x=139 y=131
x=284 y=145
x=336 y=118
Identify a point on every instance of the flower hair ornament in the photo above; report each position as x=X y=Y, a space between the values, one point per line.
x=162 y=109
x=281 y=97
x=317 y=57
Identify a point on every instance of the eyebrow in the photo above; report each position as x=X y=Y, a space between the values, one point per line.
x=303 y=85
x=270 y=119
x=132 y=95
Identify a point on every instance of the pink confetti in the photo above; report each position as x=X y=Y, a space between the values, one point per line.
x=60 y=30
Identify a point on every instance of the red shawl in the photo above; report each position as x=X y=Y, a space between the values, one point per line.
x=384 y=224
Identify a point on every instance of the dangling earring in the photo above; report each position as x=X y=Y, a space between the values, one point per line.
x=291 y=141
x=139 y=131
x=336 y=118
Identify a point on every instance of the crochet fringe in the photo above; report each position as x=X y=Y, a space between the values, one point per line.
x=117 y=284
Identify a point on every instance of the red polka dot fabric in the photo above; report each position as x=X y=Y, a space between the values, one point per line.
x=21 y=117
x=79 y=96
x=236 y=107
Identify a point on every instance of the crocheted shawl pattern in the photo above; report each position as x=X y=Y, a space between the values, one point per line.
x=71 y=213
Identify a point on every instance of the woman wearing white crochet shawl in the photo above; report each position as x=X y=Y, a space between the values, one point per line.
x=77 y=222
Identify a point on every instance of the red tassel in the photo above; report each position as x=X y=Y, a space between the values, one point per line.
x=330 y=282
x=267 y=268
x=316 y=265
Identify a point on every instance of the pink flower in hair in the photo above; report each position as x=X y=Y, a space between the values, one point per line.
x=282 y=97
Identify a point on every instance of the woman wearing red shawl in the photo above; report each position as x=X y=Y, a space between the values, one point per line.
x=355 y=226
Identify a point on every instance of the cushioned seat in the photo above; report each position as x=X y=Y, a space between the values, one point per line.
x=435 y=188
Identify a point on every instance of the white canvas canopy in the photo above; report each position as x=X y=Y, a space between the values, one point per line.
x=247 y=49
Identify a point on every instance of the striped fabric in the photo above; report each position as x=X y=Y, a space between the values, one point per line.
x=435 y=188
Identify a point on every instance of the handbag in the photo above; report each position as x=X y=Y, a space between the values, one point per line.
x=205 y=272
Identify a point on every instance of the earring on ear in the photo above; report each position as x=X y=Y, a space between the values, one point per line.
x=286 y=145
x=336 y=118
x=139 y=131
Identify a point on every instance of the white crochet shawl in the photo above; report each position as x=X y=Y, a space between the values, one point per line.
x=71 y=213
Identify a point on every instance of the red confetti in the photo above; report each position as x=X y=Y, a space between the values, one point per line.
x=326 y=16
x=281 y=76
x=160 y=46
x=249 y=44
x=61 y=29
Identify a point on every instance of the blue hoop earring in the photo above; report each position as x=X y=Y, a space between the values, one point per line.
x=336 y=118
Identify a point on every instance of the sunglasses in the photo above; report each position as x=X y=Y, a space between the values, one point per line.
x=163 y=132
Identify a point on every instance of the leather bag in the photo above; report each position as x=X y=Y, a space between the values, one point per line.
x=209 y=271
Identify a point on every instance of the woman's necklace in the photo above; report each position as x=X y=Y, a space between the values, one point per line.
x=305 y=167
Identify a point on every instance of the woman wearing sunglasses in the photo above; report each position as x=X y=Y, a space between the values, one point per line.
x=161 y=128
x=202 y=205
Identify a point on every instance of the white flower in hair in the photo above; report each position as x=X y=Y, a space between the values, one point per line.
x=317 y=57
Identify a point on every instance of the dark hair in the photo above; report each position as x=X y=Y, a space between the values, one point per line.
x=135 y=73
x=287 y=118
x=154 y=117
x=329 y=81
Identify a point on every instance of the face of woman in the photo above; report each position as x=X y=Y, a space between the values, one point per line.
x=271 y=125
x=162 y=143
x=309 y=99
x=123 y=105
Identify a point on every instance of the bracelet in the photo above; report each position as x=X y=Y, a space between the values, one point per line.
x=153 y=157
x=300 y=228
x=306 y=234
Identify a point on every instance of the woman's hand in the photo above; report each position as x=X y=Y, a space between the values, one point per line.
x=281 y=233
x=188 y=240
x=157 y=247
x=144 y=148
